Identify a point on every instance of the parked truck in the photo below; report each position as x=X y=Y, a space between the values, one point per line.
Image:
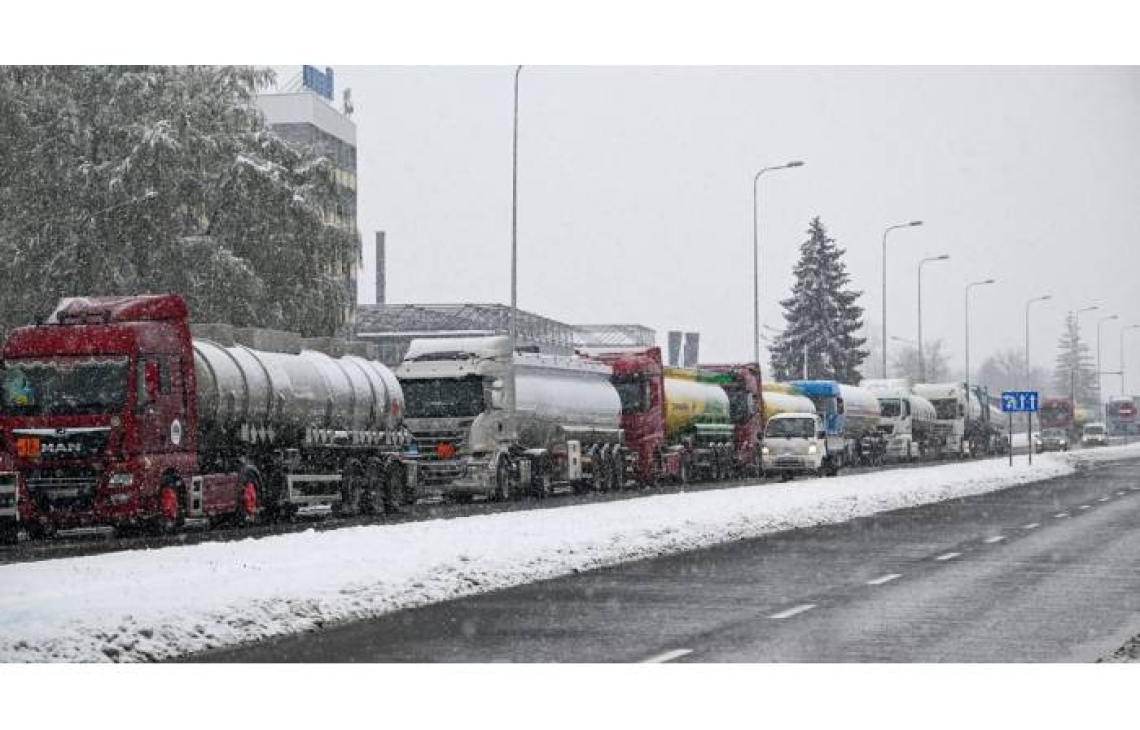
x=953 y=406
x=906 y=421
x=1120 y=415
x=850 y=418
x=113 y=415
x=564 y=430
x=683 y=423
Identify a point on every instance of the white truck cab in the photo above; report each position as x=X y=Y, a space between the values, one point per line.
x=794 y=443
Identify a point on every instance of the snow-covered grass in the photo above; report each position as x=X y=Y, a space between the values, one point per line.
x=153 y=604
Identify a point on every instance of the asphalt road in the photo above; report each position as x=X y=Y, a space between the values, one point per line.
x=1041 y=573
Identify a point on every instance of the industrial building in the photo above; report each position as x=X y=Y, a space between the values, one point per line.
x=393 y=326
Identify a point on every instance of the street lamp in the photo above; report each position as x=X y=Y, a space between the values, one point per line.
x=889 y=229
x=1045 y=298
x=968 y=288
x=921 y=359
x=1099 y=393
x=1123 y=390
x=1077 y=355
x=756 y=254
x=510 y=389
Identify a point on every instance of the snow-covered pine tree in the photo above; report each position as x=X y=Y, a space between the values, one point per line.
x=126 y=180
x=822 y=315
x=1074 y=371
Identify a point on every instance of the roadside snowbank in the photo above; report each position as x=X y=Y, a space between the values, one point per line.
x=146 y=605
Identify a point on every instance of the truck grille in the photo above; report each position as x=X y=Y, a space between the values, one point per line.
x=440 y=472
x=62 y=490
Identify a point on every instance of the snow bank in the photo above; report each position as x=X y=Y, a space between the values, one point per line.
x=153 y=604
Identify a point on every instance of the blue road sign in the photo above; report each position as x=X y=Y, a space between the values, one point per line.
x=1019 y=401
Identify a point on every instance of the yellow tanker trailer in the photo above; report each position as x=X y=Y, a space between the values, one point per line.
x=697 y=422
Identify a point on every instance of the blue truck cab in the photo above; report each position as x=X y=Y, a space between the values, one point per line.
x=828 y=400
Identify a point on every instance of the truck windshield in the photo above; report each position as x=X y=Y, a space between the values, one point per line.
x=64 y=386
x=946 y=409
x=890 y=407
x=634 y=394
x=803 y=428
x=443 y=398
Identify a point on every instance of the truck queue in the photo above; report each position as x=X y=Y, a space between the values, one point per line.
x=117 y=414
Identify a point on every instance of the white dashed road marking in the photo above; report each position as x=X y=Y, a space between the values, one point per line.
x=948 y=556
x=995 y=538
x=1103 y=499
x=667 y=656
x=884 y=579
x=1032 y=526
x=1121 y=494
x=1083 y=506
x=1061 y=516
x=793 y=611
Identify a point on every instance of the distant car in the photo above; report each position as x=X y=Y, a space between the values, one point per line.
x=1051 y=439
x=1094 y=434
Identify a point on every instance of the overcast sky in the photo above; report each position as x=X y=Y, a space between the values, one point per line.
x=635 y=193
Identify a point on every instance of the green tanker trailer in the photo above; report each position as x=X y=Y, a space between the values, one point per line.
x=698 y=423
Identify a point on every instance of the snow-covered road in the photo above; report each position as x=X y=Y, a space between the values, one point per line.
x=144 y=605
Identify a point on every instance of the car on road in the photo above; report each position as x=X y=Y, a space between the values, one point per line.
x=1094 y=434
x=1051 y=439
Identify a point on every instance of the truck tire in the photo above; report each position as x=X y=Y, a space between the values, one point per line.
x=395 y=492
x=9 y=532
x=616 y=471
x=541 y=478
x=502 y=489
x=352 y=487
x=169 y=517
x=597 y=469
x=372 y=500
x=248 y=510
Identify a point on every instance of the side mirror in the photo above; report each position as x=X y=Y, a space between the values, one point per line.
x=497 y=393
x=150 y=377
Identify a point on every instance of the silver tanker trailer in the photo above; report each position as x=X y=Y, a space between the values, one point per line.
x=565 y=428
x=324 y=429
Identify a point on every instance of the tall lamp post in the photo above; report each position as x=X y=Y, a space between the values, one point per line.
x=1045 y=298
x=1077 y=357
x=756 y=253
x=921 y=357
x=1099 y=392
x=514 y=329
x=888 y=230
x=1124 y=390
x=968 y=288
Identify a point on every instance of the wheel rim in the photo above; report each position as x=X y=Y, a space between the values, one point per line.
x=249 y=499
x=168 y=504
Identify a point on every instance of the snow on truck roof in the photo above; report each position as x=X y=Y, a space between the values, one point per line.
x=495 y=347
x=106 y=310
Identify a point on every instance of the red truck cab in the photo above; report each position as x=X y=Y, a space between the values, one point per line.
x=97 y=410
x=746 y=411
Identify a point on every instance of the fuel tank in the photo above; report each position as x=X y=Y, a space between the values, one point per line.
x=693 y=398
x=238 y=385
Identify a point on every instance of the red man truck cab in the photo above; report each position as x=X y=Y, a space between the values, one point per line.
x=97 y=411
x=746 y=411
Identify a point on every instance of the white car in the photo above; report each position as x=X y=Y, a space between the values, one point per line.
x=1094 y=434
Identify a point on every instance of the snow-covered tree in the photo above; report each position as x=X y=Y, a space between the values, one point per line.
x=1005 y=370
x=1074 y=371
x=906 y=363
x=822 y=315
x=125 y=180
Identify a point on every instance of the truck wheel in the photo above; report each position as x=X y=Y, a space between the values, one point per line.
x=502 y=491
x=169 y=517
x=248 y=499
x=541 y=478
x=395 y=493
x=352 y=488
x=372 y=498
x=617 y=471
x=9 y=532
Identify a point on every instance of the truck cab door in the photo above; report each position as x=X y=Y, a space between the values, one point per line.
x=161 y=403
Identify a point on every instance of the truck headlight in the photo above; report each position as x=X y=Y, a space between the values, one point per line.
x=121 y=479
x=764 y=450
x=812 y=450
